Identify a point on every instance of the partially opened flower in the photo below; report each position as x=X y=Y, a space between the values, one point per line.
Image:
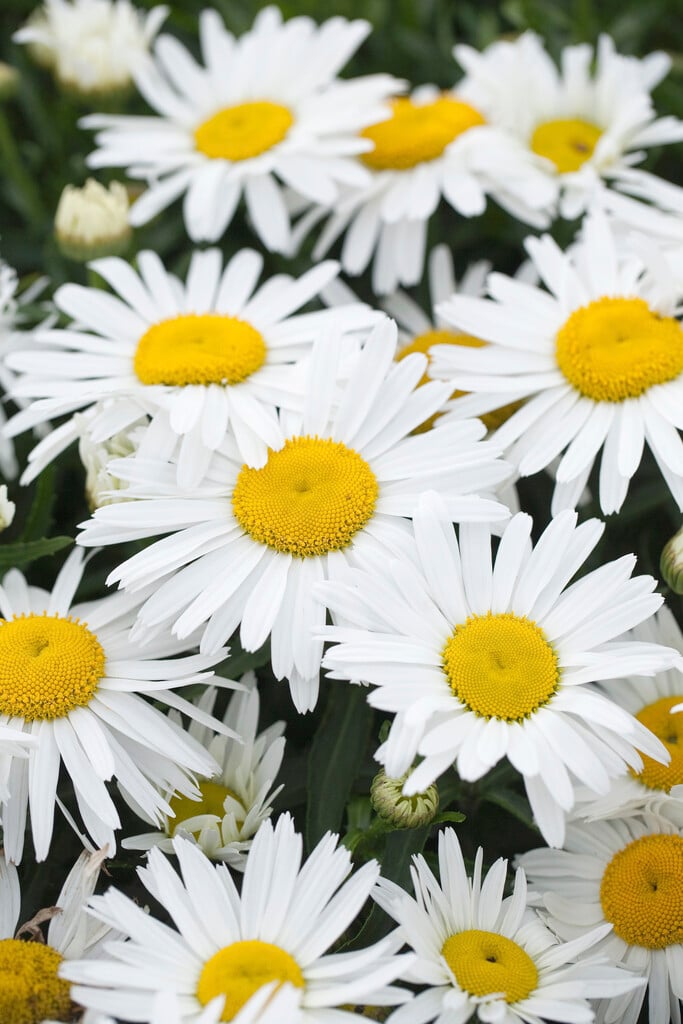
x=216 y=354
x=588 y=121
x=265 y=110
x=599 y=361
x=480 y=660
x=73 y=681
x=627 y=873
x=249 y=545
x=480 y=955
x=238 y=798
x=228 y=945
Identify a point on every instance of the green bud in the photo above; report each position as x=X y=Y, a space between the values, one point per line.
x=671 y=562
x=386 y=796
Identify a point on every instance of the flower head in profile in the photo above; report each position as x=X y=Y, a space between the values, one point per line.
x=587 y=122
x=74 y=683
x=480 y=955
x=262 y=113
x=249 y=544
x=627 y=873
x=598 y=358
x=481 y=659
x=238 y=798
x=227 y=946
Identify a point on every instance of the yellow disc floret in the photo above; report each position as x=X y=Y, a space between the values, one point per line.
x=567 y=143
x=614 y=349
x=206 y=349
x=642 y=892
x=48 y=666
x=668 y=728
x=311 y=497
x=422 y=343
x=243 y=131
x=484 y=963
x=30 y=991
x=214 y=795
x=416 y=133
x=501 y=666
x=241 y=969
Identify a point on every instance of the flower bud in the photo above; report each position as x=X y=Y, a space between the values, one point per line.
x=386 y=796
x=93 y=221
x=9 y=81
x=101 y=487
x=7 y=508
x=671 y=562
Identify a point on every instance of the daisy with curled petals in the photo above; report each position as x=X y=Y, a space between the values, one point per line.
x=480 y=955
x=263 y=111
x=212 y=355
x=599 y=361
x=479 y=661
x=627 y=872
x=433 y=145
x=248 y=545
x=586 y=122
x=228 y=945
x=72 y=679
x=32 y=990
x=235 y=801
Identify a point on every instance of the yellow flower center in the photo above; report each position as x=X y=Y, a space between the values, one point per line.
x=422 y=343
x=668 y=728
x=567 y=143
x=244 y=130
x=48 y=666
x=485 y=962
x=214 y=795
x=206 y=349
x=416 y=133
x=241 y=969
x=311 y=497
x=501 y=666
x=30 y=991
x=613 y=349
x=642 y=892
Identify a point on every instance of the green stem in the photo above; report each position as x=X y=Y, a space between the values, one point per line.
x=13 y=169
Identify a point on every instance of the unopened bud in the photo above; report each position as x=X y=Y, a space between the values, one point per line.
x=93 y=221
x=671 y=562
x=7 y=508
x=386 y=796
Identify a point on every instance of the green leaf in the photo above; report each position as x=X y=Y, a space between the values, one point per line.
x=39 y=519
x=23 y=553
x=243 y=661
x=336 y=756
x=448 y=816
x=513 y=803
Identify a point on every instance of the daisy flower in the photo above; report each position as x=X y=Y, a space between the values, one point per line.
x=235 y=801
x=481 y=955
x=212 y=355
x=74 y=681
x=588 y=121
x=227 y=946
x=599 y=361
x=626 y=872
x=32 y=990
x=479 y=661
x=433 y=145
x=248 y=545
x=263 y=111
x=92 y=46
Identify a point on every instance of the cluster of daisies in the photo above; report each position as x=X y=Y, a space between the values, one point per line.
x=335 y=483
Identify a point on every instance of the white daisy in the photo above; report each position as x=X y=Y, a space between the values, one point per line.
x=31 y=988
x=236 y=800
x=480 y=661
x=587 y=122
x=626 y=872
x=207 y=357
x=265 y=110
x=481 y=955
x=433 y=145
x=73 y=680
x=249 y=544
x=275 y=1003
x=599 y=361
x=230 y=945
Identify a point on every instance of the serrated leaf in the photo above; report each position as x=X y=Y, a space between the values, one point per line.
x=336 y=755
x=22 y=553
